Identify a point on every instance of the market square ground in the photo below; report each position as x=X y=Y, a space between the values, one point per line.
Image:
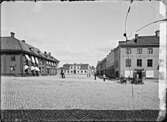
x=81 y=93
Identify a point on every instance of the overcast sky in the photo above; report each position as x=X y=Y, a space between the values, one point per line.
x=76 y=32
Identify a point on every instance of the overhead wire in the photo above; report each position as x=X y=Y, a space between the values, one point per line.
x=154 y=22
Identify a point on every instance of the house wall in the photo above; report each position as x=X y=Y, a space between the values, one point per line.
x=134 y=56
x=7 y=64
x=110 y=65
x=117 y=59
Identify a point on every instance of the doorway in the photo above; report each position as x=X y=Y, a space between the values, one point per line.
x=139 y=73
x=74 y=71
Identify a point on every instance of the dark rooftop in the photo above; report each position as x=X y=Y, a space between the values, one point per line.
x=12 y=44
x=141 y=41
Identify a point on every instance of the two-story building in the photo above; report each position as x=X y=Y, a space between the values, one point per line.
x=81 y=69
x=21 y=59
x=139 y=56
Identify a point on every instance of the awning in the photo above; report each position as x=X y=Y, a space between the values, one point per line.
x=27 y=57
x=36 y=59
x=33 y=60
x=32 y=68
x=26 y=67
x=37 y=69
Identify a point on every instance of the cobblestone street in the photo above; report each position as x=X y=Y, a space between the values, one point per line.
x=52 y=92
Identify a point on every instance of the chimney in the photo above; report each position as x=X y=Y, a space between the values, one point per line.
x=12 y=34
x=49 y=53
x=136 y=36
x=157 y=33
x=23 y=41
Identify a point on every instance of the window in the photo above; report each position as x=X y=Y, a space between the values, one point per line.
x=150 y=50
x=128 y=51
x=85 y=71
x=13 y=58
x=128 y=62
x=149 y=62
x=12 y=68
x=139 y=62
x=139 y=50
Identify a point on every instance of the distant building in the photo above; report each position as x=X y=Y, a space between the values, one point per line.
x=81 y=69
x=101 y=67
x=110 y=70
x=21 y=59
x=137 y=56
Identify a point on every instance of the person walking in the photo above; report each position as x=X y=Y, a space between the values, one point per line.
x=64 y=75
x=104 y=77
x=95 y=75
x=61 y=74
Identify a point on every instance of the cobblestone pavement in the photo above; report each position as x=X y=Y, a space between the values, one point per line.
x=52 y=92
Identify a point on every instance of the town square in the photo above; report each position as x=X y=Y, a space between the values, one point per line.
x=83 y=60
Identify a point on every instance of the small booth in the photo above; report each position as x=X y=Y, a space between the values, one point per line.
x=138 y=76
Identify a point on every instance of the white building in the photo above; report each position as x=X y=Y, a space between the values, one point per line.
x=81 y=69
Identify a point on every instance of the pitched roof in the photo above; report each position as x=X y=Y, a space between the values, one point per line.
x=141 y=41
x=84 y=66
x=8 y=43
x=13 y=44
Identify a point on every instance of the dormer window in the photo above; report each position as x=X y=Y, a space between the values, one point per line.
x=31 y=48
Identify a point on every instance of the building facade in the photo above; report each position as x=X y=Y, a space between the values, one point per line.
x=21 y=59
x=80 y=69
x=139 y=56
x=101 y=67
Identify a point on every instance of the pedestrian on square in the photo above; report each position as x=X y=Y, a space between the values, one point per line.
x=104 y=77
x=95 y=75
x=61 y=73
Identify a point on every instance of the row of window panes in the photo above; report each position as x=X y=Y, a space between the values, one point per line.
x=33 y=59
x=139 y=62
x=78 y=71
x=74 y=67
x=139 y=50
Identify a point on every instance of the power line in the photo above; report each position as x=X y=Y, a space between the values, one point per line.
x=154 y=22
x=150 y=24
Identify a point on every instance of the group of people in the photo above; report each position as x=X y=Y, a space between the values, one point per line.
x=104 y=77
